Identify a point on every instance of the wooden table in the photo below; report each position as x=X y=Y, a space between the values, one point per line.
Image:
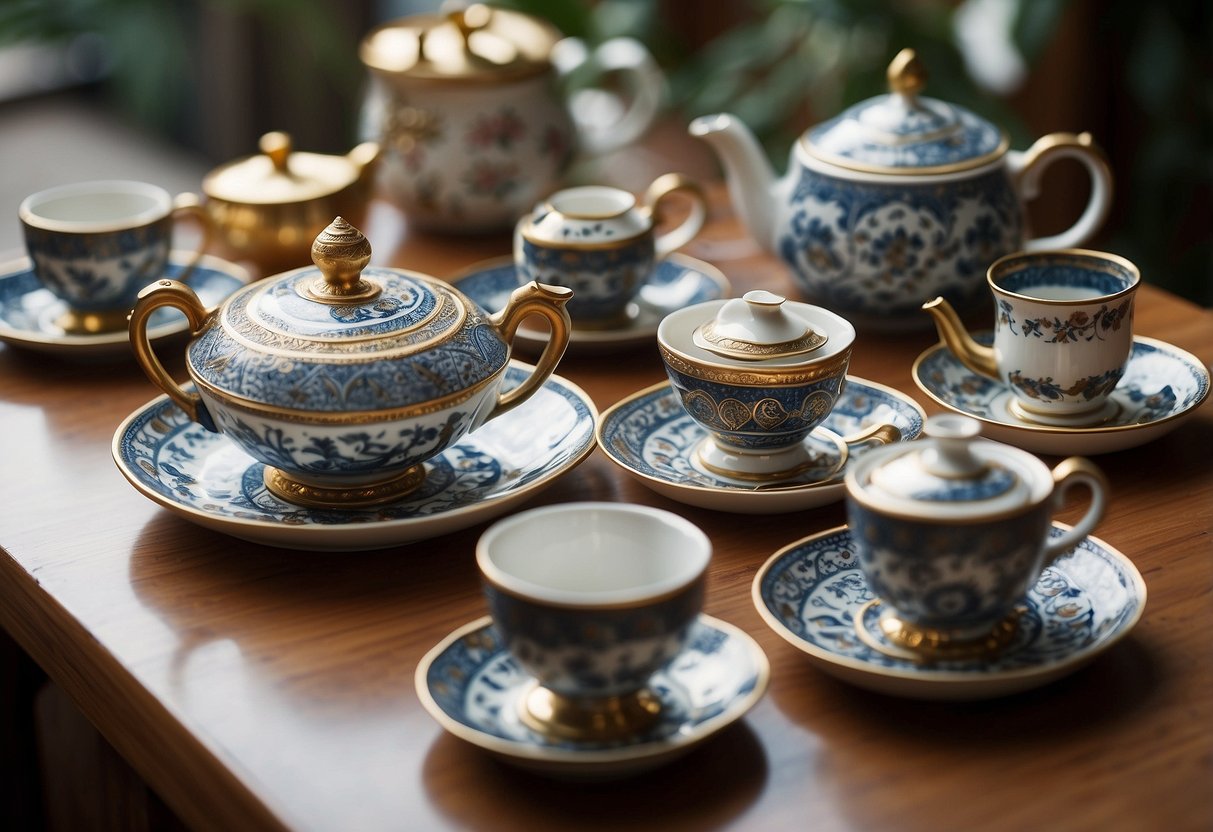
x=255 y=687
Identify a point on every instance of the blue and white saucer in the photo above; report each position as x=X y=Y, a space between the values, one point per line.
x=1162 y=385
x=471 y=685
x=650 y=436
x=810 y=592
x=205 y=478
x=676 y=282
x=28 y=311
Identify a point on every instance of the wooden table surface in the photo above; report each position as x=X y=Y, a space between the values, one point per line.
x=256 y=687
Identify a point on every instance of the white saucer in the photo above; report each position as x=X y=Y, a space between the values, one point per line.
x=471 y=685
x=676 y=282
x=28 y=311
x=1162 y=385
x=207 y=479
x=810 y=592
x=650 y=436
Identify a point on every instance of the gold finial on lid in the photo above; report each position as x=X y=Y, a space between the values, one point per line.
x=906 y=73
x=341 y=252
x=277 y=145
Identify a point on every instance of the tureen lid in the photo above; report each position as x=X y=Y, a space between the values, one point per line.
x=904 y=132
x=280 y=175
x=476 y=43
x=758 y=326
x=951 y=472
x=343 y=338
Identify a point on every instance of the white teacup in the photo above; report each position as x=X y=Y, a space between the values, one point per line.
x=593 y=599
x=597 y=241
x=1063 y=332
x=96 y=244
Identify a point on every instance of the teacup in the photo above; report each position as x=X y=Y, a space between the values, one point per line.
x=96 y=244
x=1063 y=333
x=952 y=531
x=592 y=600
x=758 y=373
x=598 y=242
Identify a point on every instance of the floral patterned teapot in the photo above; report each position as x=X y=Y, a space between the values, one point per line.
x=473 y=128
x=899 y=199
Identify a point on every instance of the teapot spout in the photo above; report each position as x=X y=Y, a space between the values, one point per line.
x=977 y=357
x=751 y=179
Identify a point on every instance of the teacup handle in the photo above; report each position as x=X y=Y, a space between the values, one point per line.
x=176 y=294
x=1068 y=473
x=540 y=299
x=638 y=72
x=188 y=206
x=1027 y=167
x=685 y=231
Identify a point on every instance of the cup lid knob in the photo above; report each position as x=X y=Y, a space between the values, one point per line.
x=341 y=252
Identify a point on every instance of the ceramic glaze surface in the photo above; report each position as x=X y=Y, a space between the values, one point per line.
x=812 y=592
x=471 y=684
x=603 y=279
x=1161 y=386
x=209 y=480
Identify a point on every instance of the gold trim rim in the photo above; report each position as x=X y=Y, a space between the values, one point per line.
x=976 y=162
x=1082 y=253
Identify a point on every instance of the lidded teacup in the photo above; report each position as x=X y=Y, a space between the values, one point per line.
x=759 y=373
x=951 y=532
x=344 y=379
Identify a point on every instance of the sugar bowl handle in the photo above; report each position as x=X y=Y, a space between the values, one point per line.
x=179 y=296
x=1070 y=472
x=540 y=299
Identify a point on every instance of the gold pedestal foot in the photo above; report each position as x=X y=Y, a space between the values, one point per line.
x=905 y=640
x=588 y=720
x=360 y=496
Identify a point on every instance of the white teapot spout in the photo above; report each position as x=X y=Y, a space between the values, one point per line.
x=753 y=188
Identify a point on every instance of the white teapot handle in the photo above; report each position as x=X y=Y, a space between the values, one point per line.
x=603 y=122
x=1027 y=167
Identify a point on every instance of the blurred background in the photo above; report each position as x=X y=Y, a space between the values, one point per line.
x=163 y=90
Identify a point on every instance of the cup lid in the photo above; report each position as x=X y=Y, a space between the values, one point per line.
x=477 y=43
x=280 y=175
x=904 y=132
x=951 y=472
x=758 y=326
x=270 y=338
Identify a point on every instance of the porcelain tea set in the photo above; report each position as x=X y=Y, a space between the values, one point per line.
x=343 y=406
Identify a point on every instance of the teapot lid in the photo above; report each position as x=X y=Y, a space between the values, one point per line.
x=279 y=175
x=950 y=473
x=477 y=43
x=386 y=339
x=758 y=326
x=904 y=132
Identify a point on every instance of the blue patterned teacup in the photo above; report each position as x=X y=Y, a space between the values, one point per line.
x=593 y=599
x=598 y=242
x=96 y=244
x=1063 y=333
x=952 y=531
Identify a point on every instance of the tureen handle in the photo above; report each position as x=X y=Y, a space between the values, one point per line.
x=179 y=296
x=1027 y=167
x=538 y=299
x=1069 y=472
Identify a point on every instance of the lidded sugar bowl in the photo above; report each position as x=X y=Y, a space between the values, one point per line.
x=344 y=379
x=758 y=373
x=899 y=199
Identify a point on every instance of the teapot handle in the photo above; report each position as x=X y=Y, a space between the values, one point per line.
x=1027 y=167
x=1069 y=472
x=682 y=234
x=178 y=295
x=540 y=299
x=639 y=74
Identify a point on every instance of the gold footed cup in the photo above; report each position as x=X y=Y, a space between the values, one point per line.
x=589 y=719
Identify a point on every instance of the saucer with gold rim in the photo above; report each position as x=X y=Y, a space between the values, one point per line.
x=651 y=437
x=813 y=594
x=207 y=479
x=28 y=311
x=676 y=281
x=1162 y=386
x=471 y=686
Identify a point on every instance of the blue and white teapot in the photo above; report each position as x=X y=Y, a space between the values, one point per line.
x=899 y=199
x=344 y=379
